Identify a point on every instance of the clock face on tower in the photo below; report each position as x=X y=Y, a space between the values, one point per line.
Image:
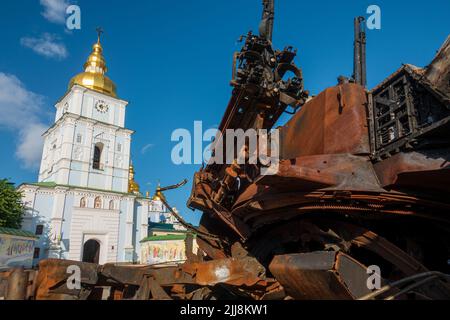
x=101 y=106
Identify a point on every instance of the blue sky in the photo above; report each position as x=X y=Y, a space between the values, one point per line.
x=172 y=60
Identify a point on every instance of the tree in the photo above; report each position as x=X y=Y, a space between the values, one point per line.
x=11 y=206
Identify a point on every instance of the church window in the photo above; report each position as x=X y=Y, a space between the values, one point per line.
x=39 y=230
x=98 y=203
x=97 y=156
x=37 y=252
x=111 y=205
x=119 y=147
x=79 y=138
x=83 y=203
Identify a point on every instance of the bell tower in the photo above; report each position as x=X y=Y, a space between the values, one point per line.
x=88 y=145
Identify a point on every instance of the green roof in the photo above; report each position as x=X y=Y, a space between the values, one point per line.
x=17 y=232
x=167 y=237
x=46 y=184
x=161 y=226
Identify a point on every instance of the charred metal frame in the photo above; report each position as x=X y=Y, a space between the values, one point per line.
x=259 y=72
x=406 y=111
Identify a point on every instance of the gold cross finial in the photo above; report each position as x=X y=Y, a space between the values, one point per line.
x=99 y=33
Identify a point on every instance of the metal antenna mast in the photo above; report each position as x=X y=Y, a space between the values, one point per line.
x=266 y=25
x=359 y=60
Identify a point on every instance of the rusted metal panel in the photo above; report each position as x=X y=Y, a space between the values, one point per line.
x=239 y=272
x=333 y=122
x=438 y=72
x=17 y=285
x=309 y=276
x=149 y=282
x=428 y=170
x=53 y=274
x=353 y=274
x=331 y=171
x=4 y=276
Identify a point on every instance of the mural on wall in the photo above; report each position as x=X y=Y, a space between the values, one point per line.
x=155 y=252
x=15 y=251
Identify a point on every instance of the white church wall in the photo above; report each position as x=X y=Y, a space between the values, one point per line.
x=97 y=180
x=68 y=225
x=88 y=103
x=143 y=219
x=40 y=214
x=120 y=180
x=117 y=117
x=76 y=174
x=51 y=152
x=154 y=217
x=122 y=230
x=141 y=227
x=28 y=200
x=69 y=144
x=65 y=230
x=100 y=224
x=56 y=219
x=82 y=102
x=67 y=141
x=72 y=102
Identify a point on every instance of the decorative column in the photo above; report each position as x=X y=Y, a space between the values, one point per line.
x=144 y=219
x=56 y=222
x=129 y=229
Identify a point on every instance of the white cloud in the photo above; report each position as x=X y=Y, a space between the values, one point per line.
x=55 y=10
x=47 y=45
x=29 y=149
x=21 y=112
x=146 y=148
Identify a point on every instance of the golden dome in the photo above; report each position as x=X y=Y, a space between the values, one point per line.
x=158 y=195
x=93 y=76
x=133 y=187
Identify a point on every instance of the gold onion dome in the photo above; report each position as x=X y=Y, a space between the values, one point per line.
x=93 y=76
x=158 y=195
x=133 y=187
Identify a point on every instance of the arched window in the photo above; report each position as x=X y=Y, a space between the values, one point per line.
x=83 y=202
x=98 y=203
x=98 y=149
x=111 y=205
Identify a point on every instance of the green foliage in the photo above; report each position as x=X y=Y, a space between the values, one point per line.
x=11 y=207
